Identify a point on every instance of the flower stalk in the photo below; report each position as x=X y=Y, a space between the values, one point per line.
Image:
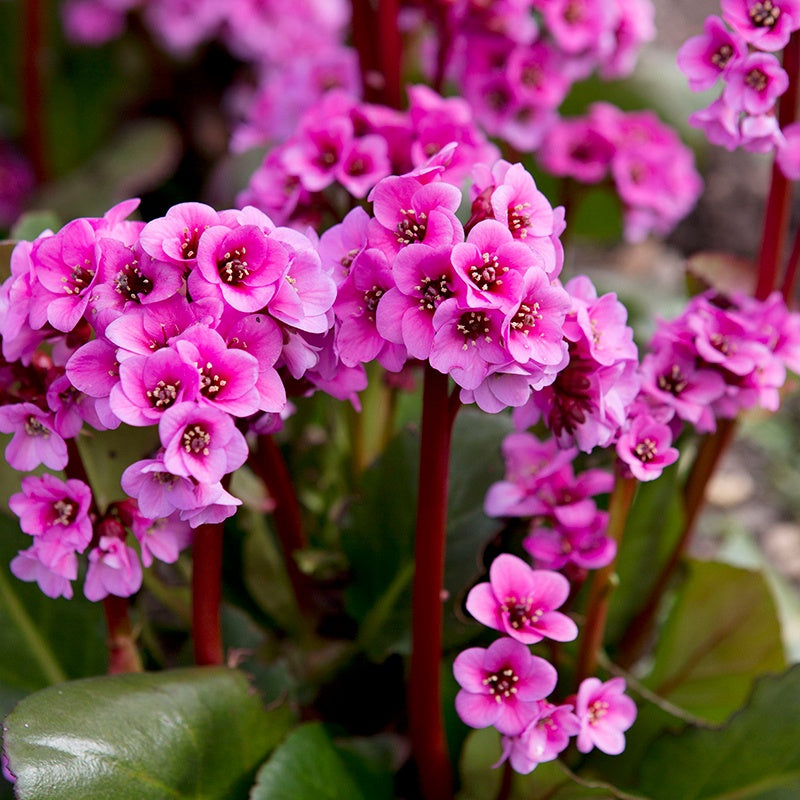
x=207 y=595
x=424 y=693
x=603 y=581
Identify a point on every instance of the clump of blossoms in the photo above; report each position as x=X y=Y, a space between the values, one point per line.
x=179 y=325
x=345 y=143
x=515 y=63
x=506 y=686
x=651 y=170
x=482 y=305
x=566 y=529
x=741 y=49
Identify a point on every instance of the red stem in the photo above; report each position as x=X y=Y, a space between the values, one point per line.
x=790 y=275
x=601 y=586
x=428 y=742
x=776 y=217
x=390 y=52
x=270 y=466
x=33 y=86
x=365 y=42
x=123 y=655
x=207 y=594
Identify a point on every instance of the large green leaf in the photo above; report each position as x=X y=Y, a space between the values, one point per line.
x=308 y=766
x=722 y=632
x=756 y=756
x=42 y=641
x=189 y=733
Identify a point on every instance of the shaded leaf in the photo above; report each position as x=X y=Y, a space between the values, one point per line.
x=42 y=641
x=33 y=223
x=721 y=633
x=189 y=733
x=756 y=756
x=653 y=526
x=307 y=766
x=724 y=272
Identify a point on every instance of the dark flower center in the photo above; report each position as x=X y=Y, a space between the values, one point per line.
x=432 y=292
x=412 y=227
x=163 y=394
x=196 y=440
x=79 y=279
x=131 y=283
x=65 y=512
x=518 y=220
x=233 y=268
x=526 y=318
x=756 y=80
x=190 y=241
x=210 y=382
x=371 y=298
x=673 y=382
x=488 y=274
x=645 y=450
x=33 y=427
x=502 y=684
x=722 y=56
x=764 y=15
x=474 y=324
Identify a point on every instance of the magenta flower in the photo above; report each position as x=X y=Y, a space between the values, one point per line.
x=162 y=538
x=53 y=579
x=114 y=568
x=53 y=510
x=501 y=686
x=424 y=279
x=200 y=442
x=35 y=440
x=543 y=740
x=158 y=492
x=243 y=263
x=705 y=57
x=149 y=385
x=520 y=601
x=227 y=376
x=755 y=83
x=584 y=545
x=176 y=237
x=646 y=447
x=605 y=713
x=766 y=24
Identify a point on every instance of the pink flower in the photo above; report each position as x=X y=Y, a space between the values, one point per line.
x=54 y=579
x=201 y=442
x=35 y=440
x=53 y=510
x=755 y=83
x=705 y=57
x=520 y=601
x=114 y=568
x=766 y=24
x=543 y=739
x=176 y=237
x=501 y=686
x=646 y=447
x=605 y=713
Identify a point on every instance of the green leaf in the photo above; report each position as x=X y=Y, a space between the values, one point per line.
x=548 y=781
x=306 y=766
x=756 y=756
x=654 y=525
x=721 y=633
x=33 y=223
x=42 y=641
x=189 y=733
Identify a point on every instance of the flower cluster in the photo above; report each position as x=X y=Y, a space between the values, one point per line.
x=179 y=325
x=515 y=62
x=540 y=485
x=743 y=54
x=721 y=355
x=652 y=171
x=506 y=686
x=343 y=141
x=483 y=307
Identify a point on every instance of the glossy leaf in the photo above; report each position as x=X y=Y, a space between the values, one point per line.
x=44 y=641
x=190 y=733
x=722 y=632
x=756 y=756
x=308 y=766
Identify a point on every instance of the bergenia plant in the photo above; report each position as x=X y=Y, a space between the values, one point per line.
x=347 y=447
